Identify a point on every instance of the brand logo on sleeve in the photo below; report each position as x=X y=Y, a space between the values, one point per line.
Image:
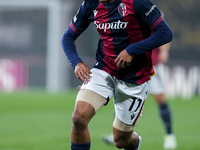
x=150 y=10
x=75 y=18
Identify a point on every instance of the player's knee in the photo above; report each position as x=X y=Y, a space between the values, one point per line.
x=79 y=121
x=120 y=142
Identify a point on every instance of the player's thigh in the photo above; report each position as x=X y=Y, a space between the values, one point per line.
x=129 y=101
x=98 y=90
x=122 y=132
x=120 y=127
x=90 y=98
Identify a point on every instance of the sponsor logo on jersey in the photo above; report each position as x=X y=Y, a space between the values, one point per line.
x=95 y=12
x=122 y=9
x=112 y=25
x=151 y=9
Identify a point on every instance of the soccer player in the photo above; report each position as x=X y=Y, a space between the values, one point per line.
x=156 y=88
x=160 y=57
x=123 y=65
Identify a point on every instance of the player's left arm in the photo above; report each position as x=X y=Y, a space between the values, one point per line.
x=162 y=33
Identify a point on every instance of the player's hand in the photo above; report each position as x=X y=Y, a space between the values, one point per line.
x=123 y=59
x=82 y=72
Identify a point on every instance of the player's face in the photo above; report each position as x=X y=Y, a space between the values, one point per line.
x=106 y=1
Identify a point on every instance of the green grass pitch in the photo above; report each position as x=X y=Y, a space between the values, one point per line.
x=36 y=120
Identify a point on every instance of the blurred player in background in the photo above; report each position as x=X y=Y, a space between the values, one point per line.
x=156 y=88
x=123 y=65
x=159 y=58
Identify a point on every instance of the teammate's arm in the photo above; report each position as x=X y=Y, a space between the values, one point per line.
x=163 y=54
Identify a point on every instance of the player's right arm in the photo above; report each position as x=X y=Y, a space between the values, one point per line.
x=78 y=24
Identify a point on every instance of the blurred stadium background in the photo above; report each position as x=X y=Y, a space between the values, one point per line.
x=33 y=64
x=32 y=57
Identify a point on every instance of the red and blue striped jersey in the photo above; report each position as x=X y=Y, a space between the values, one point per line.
x=122 y=24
